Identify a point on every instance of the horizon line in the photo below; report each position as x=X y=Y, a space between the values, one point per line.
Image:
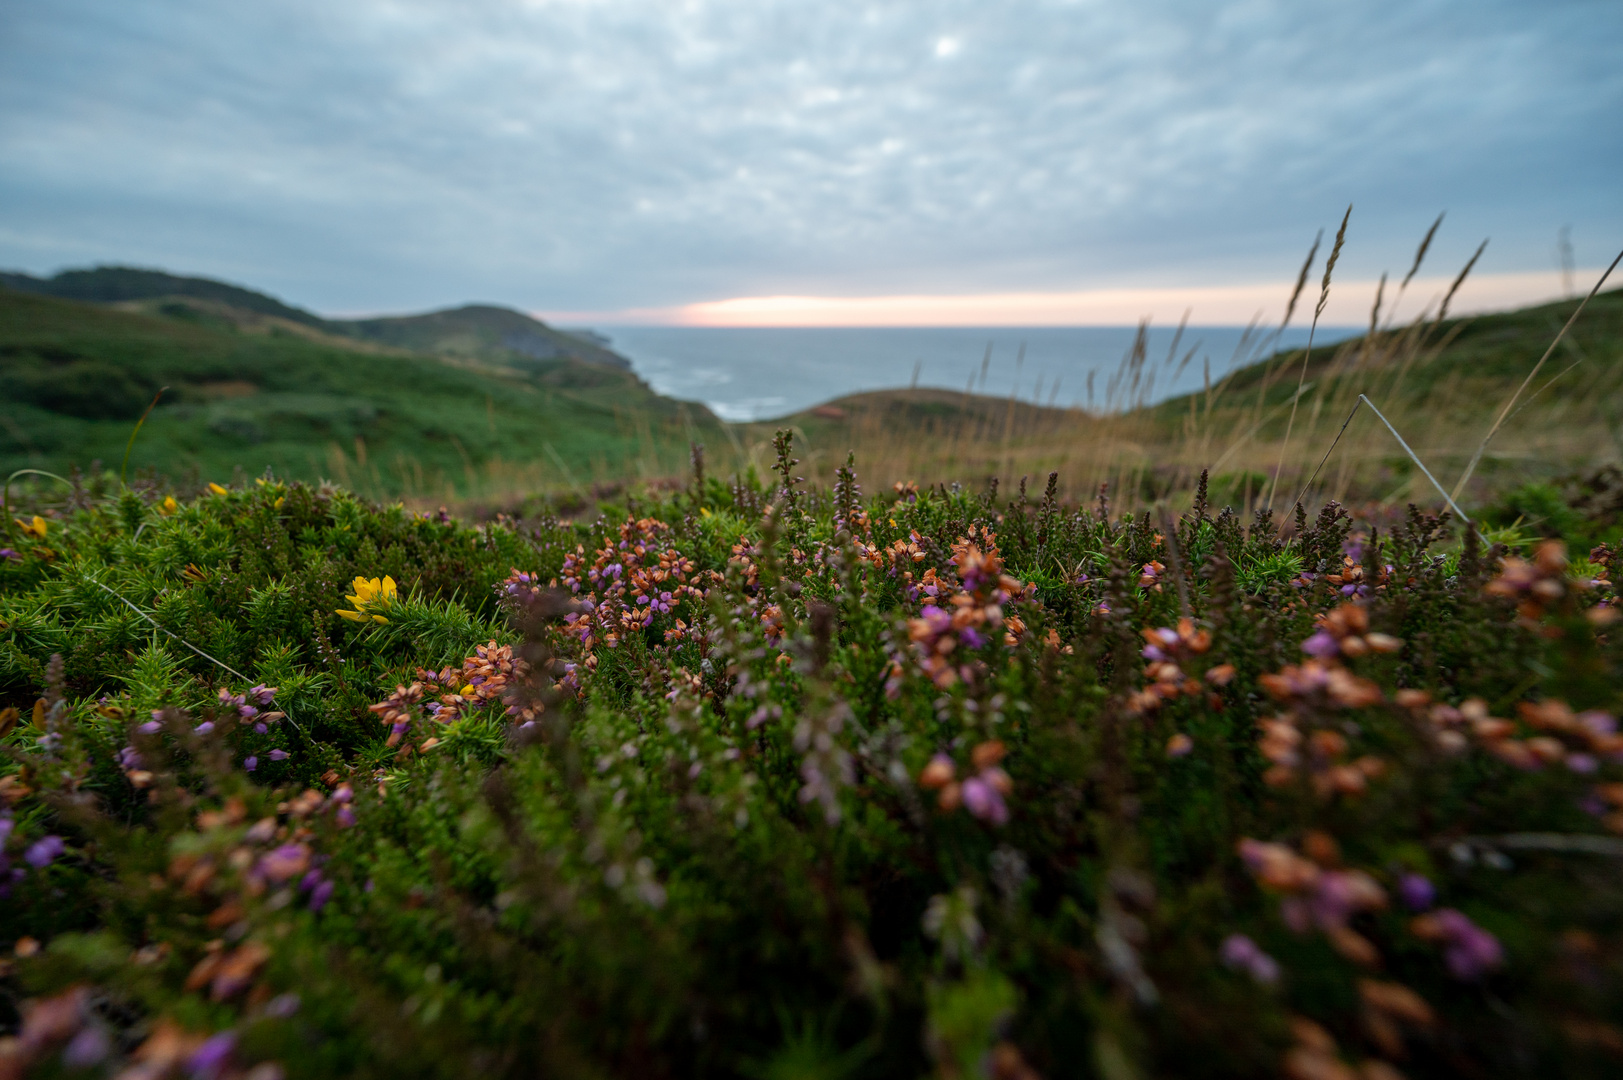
x=1348 y=306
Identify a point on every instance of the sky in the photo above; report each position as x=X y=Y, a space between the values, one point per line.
x=764 y=162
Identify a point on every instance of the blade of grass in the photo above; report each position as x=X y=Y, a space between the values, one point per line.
x=1504 y=412
x=1414 y=457
x=124 y=466
x=1301 y=379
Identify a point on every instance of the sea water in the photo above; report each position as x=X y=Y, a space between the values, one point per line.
x=755 y=373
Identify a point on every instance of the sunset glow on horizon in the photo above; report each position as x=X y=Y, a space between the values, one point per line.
x=1221 y=305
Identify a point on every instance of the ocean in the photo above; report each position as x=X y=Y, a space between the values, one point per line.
x=756 y=373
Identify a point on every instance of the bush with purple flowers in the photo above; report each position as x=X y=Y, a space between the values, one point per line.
x=763 y=781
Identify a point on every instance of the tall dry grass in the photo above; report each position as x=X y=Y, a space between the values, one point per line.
x=1259 y=432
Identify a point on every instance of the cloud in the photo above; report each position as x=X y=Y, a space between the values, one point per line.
x=385 y=154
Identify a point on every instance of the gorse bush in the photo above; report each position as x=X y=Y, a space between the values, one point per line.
x=771 y=782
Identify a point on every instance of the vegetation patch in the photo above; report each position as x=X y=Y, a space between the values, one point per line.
x=748 y=779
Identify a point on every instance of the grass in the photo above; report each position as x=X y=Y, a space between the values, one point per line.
x=1441 y=383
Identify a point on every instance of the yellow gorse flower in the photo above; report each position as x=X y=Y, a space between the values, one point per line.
x=168 y=506
x=369 y=593
x=37 y=527
x=217 y=489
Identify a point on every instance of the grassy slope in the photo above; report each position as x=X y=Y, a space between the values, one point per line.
x=1442 y=387
x=386 y=422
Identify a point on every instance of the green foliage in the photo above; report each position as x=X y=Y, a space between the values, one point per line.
x=743 y=783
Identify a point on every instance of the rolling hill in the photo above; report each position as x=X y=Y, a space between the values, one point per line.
x=476 y=331
x=247 y=390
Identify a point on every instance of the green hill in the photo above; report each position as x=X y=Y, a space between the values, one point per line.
x=75 y=376
x=1441 y=384
x=115 y=284
x=476 y=331
x=480 y=331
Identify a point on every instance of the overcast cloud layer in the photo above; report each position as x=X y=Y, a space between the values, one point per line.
x=367 y=155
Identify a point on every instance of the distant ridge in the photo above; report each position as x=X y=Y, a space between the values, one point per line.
x=118 y=284
x=480 y=330
x=475 y=331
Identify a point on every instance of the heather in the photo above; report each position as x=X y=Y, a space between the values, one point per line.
x=744 y=777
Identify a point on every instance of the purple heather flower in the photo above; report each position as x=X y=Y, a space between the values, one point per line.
x=1598 y=722
x=1243 y=954
x=983 y=800
x=209 y=1060
x=282 y=1006
x=1416 y=892
x=129 y=758
x=1238 y=950
x=262 y=694
x=204 y=728
x=346 y=816
x=90 y=1047
x=278 y=755
x=972 y=638
x=1471 y=951
x=6 y=825
x=1321 y=644
x=261 y=728
x=44 y=851
x=7 y=553
x=1153 y=652
x=150 y=727
x=250 y=763
x=1582 y=763
x=321 y=894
